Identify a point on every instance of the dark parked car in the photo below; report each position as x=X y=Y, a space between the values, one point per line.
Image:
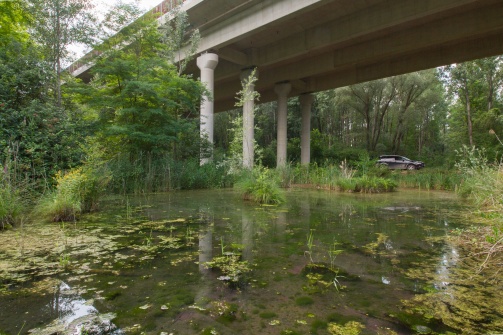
x=399 y=162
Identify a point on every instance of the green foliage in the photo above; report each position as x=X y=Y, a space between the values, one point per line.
x=429 y=179
x=174 y=36
x=316 y=175
x=350 y=328
x=483 y=182
x=59 y=25
x=13 y=21
x=77 y=191
x=260 y=185
x=141 y=104
x=268 y=315
x=233 y=269
x=37 y=138
x=11 y=202
x=304 y=301
x=367 y=184
x=146 y=173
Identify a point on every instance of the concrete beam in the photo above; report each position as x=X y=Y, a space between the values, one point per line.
x=250 y=20
x=380 y=67
x=233 y=56
x=373 y=21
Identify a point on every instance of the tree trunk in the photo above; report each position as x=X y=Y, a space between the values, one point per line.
x=469 y=118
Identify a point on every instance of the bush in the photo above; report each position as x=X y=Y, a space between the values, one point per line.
x=429 y=179
x=77 y=191
x=11 y=203
x=367 y=184
x=260 y=185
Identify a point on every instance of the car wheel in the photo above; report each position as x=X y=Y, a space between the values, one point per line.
x=411 y=167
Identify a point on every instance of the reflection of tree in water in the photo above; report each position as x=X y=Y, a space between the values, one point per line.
x=67 y=305
x=74 y=315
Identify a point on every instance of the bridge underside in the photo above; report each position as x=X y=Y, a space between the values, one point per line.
x=318 y=45
x=304 y=46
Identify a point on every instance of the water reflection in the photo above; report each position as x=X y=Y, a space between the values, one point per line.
x=381 y=238
x=75 y=315
x=448 y=260
x=247 y=236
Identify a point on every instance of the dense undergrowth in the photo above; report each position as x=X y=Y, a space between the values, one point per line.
x=483 y=186
x=79 y=190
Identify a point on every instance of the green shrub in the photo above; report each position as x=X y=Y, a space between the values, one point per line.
x=367 y=184
x=429 y=179
x=260 y=185
x=11 y=203
x=77 y=191
x=160 y=173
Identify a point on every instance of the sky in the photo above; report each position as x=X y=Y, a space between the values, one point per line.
x=144 y=4
x=102 y=7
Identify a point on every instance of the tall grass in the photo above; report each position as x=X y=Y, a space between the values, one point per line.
x=11 y=203
x=366 y=184
x=146 y=174
x=260 y=185
x=429 y=179
x=320 y=176
x=482 y=181
x=483 y=185
x=77 y=191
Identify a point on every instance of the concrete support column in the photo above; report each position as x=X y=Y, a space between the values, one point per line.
x=207 y=64
x=306 y=102
x=282 y=91
x=248 y=118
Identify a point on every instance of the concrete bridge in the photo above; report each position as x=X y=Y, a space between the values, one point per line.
x=298 y=47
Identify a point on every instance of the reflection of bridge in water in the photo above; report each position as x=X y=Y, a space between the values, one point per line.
x=304 y=46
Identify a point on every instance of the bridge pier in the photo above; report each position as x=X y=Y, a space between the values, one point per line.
x=207 y=63
x=248 y=119
x=306 y=102
x=282 y=90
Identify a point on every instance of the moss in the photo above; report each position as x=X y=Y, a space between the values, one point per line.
x=304 y=301
x=350 y=328
x=268 y=315
x=318 y=324
x=339 y=318
x=112 y=295
x=290 y=332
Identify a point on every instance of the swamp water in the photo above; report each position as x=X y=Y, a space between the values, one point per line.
x=322 y=259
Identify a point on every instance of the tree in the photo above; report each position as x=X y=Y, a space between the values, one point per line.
x=140 y=100
x=59 y=24
x=463 y=80
x=180 y=49
x=35 y=136
x=372 y=100
x=13 y=21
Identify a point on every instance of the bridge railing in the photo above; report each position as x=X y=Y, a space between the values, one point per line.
x=161 y=9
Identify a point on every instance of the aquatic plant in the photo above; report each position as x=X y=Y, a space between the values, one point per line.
x=367 y=184
x=304 y=301
x=231 y=266
x=333 y=252
x=310 y=244
x=268 y=315
x=64 y=260
x=350 y=328
x=260 y=186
